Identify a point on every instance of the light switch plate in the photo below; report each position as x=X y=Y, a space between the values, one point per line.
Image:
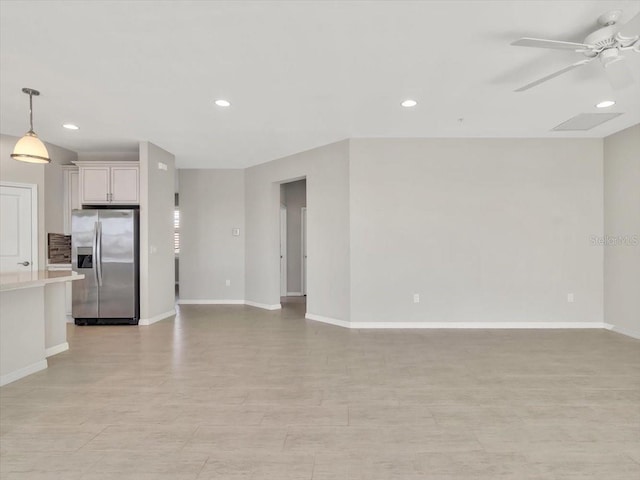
x=235 y=232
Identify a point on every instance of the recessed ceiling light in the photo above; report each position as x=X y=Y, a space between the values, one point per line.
x=71 y=126
x=223 y=103
x=605 y=104
x=409 y=103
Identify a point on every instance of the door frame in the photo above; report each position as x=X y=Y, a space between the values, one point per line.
x=283 y=251
x=35 y=239
x=303 y=250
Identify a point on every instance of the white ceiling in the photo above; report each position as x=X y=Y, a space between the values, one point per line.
x=299 y=74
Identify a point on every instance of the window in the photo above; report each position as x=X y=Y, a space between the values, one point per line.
x=176 y=230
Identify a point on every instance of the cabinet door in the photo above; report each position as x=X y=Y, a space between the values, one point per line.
x=71 y=196
x=94 y=185
x=124 y=185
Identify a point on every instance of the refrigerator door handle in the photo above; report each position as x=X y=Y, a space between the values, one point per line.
x=98 y=240
x=94 y=251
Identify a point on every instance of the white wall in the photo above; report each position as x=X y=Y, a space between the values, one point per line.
x=157 y=284
x=49 y=180
x=622 y=219
x=326 y=170
x=295 y=197
x=211 y=205
x=484 y=230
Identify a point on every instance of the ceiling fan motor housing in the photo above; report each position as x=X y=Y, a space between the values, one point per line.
x=602 y=38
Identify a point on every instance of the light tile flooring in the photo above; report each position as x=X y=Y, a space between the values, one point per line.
x=233 y=392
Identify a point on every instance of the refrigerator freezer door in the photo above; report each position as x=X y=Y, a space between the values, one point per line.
x=117 y=264
x=85 y=292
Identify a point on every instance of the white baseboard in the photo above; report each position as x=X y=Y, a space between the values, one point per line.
x=295 y=294
x=157 y=318
x=265 y=306
x=209 y=302
x=477 y=325
x=329 y=320
x=626 y=331
x=62 y=347
x=22 y=372
x=454 y=325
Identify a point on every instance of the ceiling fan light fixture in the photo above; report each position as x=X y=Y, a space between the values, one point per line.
x=30 y=148
x=606 y=104
x=71 y=126
x=409 y=103
x=223 y=103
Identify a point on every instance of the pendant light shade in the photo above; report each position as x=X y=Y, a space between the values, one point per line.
x=30 y=148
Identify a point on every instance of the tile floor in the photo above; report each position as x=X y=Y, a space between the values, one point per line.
x=234 y=392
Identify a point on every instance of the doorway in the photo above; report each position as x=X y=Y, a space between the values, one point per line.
x=293 y=237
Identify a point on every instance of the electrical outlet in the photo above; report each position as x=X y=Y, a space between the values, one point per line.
x=570 y=297
x=416 y=298
x=228 y=283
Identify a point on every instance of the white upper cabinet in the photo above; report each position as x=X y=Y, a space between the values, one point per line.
x=124 y=185
x=94 y=184
x=109 y=183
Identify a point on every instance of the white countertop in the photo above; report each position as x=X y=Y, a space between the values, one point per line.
x=18 y=280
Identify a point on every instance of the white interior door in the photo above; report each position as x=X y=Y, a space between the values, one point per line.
x=304 y=250
x=18 y=228
x=283 y=252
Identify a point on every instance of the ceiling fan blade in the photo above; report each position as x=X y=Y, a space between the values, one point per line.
x=630 y=30
x=555 y=44
x=553 y=75
x=618 y=74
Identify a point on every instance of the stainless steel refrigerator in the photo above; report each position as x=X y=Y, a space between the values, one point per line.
x=105 y=248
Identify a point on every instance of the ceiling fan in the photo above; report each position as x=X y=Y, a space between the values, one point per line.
x=607 y=43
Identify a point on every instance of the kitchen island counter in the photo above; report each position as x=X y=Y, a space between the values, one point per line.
x=32 y=321
x=38 y=278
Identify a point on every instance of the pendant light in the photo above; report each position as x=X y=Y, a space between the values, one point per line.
x=30 y=148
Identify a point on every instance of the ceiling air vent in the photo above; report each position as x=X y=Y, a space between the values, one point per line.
x=585 y=121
